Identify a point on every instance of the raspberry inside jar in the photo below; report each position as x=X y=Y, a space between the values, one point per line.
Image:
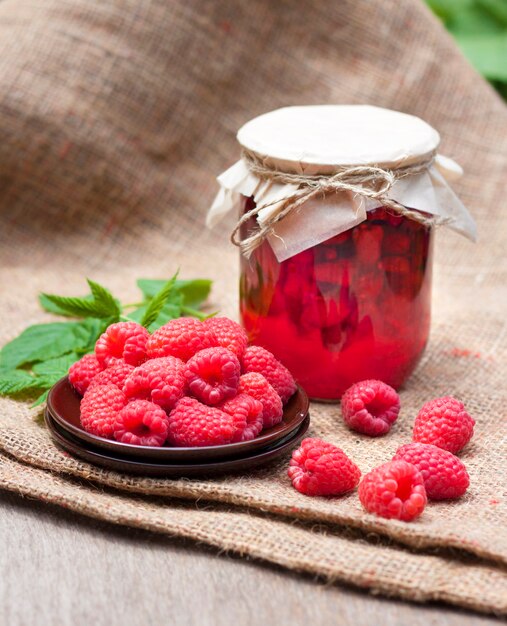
x=354 y=307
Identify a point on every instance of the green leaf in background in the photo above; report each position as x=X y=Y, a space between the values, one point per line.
x=480 y=30
x=496 y=8
x=488 y=53
x=447 y=9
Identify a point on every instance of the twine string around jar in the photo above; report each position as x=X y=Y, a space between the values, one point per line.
x=368 y=181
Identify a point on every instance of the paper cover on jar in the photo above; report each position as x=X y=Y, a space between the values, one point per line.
x=343 y=135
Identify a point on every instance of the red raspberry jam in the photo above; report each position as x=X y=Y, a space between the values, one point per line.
x=354 y=307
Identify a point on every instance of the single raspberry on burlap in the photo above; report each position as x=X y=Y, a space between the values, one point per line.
x=444 y=474
x=370 y=407
x=444 y=422
x=394 y=490
x=318 y=468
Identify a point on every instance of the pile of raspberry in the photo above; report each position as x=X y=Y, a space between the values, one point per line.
x=190 y=383
x=426 y=468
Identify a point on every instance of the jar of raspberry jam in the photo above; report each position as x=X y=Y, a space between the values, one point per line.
x=338 y=208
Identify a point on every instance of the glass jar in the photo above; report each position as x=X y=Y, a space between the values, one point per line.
x=354 y=307
x=336 y=255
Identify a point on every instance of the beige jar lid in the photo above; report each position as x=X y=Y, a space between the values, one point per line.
x=318 y=138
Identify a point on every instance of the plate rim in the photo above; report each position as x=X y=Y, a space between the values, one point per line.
x=232 y=465
x=136 y=451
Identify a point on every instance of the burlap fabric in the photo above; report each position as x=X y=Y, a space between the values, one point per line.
x=114 y=118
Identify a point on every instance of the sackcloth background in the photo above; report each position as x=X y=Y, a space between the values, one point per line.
x=115 y=117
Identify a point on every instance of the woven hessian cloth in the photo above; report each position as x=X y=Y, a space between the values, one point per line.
x=115 y=117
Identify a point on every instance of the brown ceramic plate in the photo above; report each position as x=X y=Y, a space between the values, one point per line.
x=63 y=406
x=110 y=461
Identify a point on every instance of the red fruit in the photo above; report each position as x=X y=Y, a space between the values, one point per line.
x=394 y=490
x=370 y=407
x=116 y=374
x=180 y=338
x=83 y=372
x=257 y=359
x=161 y=381
x=249 y=411
x=444 y=475
x=228 y=334
x=141 y=423
x=100 y=407
x=256 y=386
x=368 y=241
x=396 y=243
x=318 y=468
x=445 y=423
x=212 y=375
x=124 y=340
x=192 y=423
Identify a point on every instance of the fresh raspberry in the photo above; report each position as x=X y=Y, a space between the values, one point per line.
x=445 y=423
x=116 y=374
x=100 y=407
x=257 y=359
x=181 y=338
x=212 y=375
x=256 y=386
x=318 y=468
x=444 y=474
x=192 y=423
x=370 y=407
x=249 y=411
x=83 y=372
x=228 y=334
x=124 y=340
x=394 y=490
x=141 y=423
x=161 y=381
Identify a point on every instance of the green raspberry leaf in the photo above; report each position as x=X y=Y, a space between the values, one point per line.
x=54 y=369
x=41 y=399
x=190 y=311
x=47 y=341
x=104 y=297
x=48 y=304
x=100 y=304
x=194 y=292
x=170 y=311
x=16 y=381
x=158 y=302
